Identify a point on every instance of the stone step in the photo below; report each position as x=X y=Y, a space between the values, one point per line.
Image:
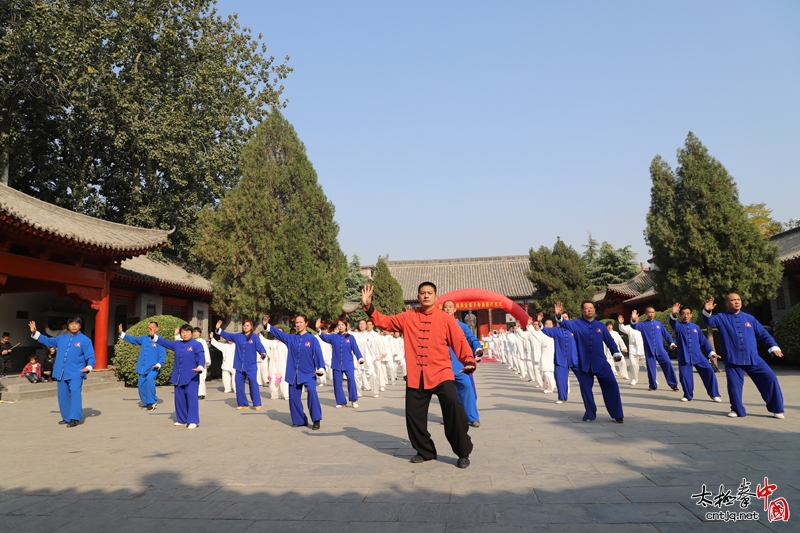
x=16 y=389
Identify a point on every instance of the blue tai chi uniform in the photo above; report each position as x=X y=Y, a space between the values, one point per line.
x=691 y=344
x=740 y=334
x=304 y=359
x=189 y=355
x=654 y=334
x=150 y=354
x=464 y=385
x=344 y=347
x=566 y=358
x=589 y=339
x=74 y=352
x=245 y=363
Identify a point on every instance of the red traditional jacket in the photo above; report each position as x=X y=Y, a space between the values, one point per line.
x=427 y=337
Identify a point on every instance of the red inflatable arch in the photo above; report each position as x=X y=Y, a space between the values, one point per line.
x=483 y=299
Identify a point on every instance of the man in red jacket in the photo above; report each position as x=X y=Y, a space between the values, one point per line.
x=428 y=334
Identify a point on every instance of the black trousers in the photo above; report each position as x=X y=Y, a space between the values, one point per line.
x=5 y=364
x=455 y=420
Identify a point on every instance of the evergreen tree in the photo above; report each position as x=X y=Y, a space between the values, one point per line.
x=388 y=295
x=271 y=243
x=610 y=266
x=353 y=283
x=559 y=275
x=702 y=241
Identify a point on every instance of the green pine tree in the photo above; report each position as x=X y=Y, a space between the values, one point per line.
x=271 y=243
x=702 y=241
x=353 y=283
x=609 y=266
x=559 y=275
x=388 y=295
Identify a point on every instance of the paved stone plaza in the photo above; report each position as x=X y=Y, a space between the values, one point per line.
x=536 y=466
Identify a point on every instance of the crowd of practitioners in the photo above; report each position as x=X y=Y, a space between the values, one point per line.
x=434 y=354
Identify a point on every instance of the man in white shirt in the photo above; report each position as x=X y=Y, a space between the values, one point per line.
x=547 y=363
x=379 y=351
x=365 y=346
x=623 y=367
x=635 y=347
x=228 y=350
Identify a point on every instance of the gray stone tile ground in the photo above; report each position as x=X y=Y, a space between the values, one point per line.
x=536 y=466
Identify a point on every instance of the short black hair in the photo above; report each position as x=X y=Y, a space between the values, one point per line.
x=77 y=319
x=186 y=327
x=304 y=317
x=153 y=322
x=6 y=334
x=586 y=302
x=198 y=330
x=426 y=284
x=684 y=307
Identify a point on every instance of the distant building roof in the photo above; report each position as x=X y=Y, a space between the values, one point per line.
x=788 y=245
x=21 y=213
x=164 y=274
x=503 y=274
x=637 y=285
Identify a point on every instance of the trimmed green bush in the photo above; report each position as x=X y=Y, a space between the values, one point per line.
x=126 y=355
x=787 y=335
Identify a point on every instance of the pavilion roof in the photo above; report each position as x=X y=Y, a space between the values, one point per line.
x=20 y=213
x=162 y=274
x=636 y=286
x=788 y=245
x=502 y=274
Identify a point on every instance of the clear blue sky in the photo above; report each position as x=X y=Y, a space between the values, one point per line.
x=461 y=129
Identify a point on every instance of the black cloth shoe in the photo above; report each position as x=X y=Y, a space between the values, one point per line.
x=618 y=420
x=72 y=424
x=675 y=389
x=315 y=426
x=651 y=388
x=151 y=407
x=63 y=422
x=419 y=459
x=299 y=425
x=587 y=419
x=201 y=397
x=463 y=462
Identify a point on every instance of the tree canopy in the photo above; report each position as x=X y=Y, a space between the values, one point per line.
x=271 y=242
x=702 y=241
x=605 y=264
x=388 y=295
x=131 y=111
x=558 y=275
x=761 y=216
x=353 y=283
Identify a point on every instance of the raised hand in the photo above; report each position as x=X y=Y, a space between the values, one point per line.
x=620 y=319
x=634 y=316
x=219 y=325
x=676 y=308
x=540 y=317
x=559 y=309
x=265 y=321
x=366 y=295
x=709 y=305
x=119 y=329
x=32 y=325
x=319 y=324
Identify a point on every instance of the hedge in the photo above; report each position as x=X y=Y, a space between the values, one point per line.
x=126 y=355
x=787 y=335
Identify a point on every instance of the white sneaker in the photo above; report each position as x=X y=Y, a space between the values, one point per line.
x=778 y=415
x=355 y=405
x=383 y=389
x=374 y=395
x=560 y=401
x=684 y=399
x=717 y=399
x=633 y=382
x=178 y=424
x=733 y=414
x=340 y=406
x=191 y=426
x=394 y=383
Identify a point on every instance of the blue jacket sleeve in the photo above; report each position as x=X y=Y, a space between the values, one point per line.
x=259 y=347
x=51 y=342
x=355 y=350
x=709 y=320
x=550 y=332
x=474 y=343
x=161 y=341
x=280 y=335
x=666 y=335
x=567 y=324
x=672 y=324
x=130 y=339
x=88 y=354
x=327 y=337
x=199 y=355
x=225 y=335
x=319 y=362
x=705 y=346
x=762 y=335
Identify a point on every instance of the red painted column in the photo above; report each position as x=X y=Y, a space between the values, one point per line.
x=101 y=327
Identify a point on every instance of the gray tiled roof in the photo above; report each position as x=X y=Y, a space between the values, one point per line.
x=149 y=269
x=788 y=244
x=63 y=224
x=638 y=284
x=503 y=274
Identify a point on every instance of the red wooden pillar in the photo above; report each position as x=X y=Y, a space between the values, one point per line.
x=101 y=327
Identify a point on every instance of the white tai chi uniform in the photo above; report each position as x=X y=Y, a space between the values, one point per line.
x=533 y=355
x=622 y=364
x=400 y=357
x=364 y=373
x=262 y=363
x=228 y=350
x=635 y=350
x=521 y=350
x=378 y=378
x=548 y=362
x=388 y=363
x=327 y=356
x=277 y=354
